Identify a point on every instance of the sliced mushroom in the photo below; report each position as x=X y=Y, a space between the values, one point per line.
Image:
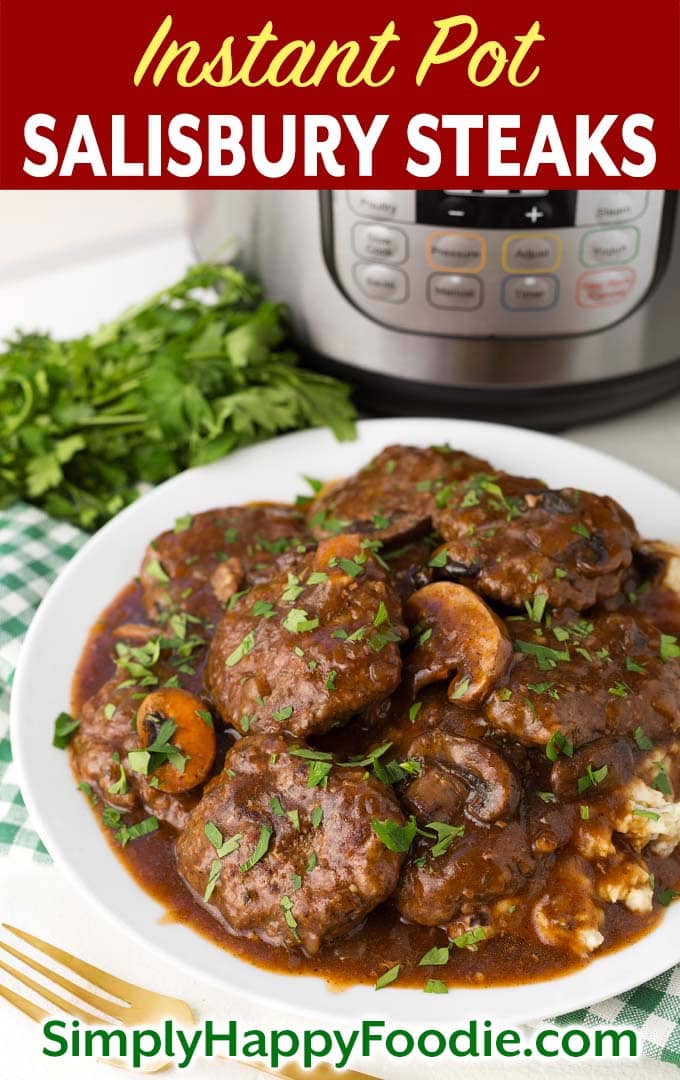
x=436 y=795
x=193 y=737
x=456 y=633
x=492 y=786
x=584 y=768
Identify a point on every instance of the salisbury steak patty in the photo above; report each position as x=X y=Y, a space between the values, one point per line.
x=515 y=539
x=395 y=495
x=306 y=651
x=608 y=674
x=283 y=861
x=199 y=565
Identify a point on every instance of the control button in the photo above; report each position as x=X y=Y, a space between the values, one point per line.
x=609 y=246
x=523 y=213
x=459 y=292
x=458 y=210
x=602 y=288
x=530 y=293
x=380 y=242
x=610 y=207
x=532 y=253
x=381 y=282
x=465 y=252
x=385 y=205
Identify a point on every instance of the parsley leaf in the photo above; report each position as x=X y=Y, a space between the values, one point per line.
x=64 y=727
x=181 y=379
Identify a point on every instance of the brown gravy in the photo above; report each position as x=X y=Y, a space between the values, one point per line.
x=383 y=940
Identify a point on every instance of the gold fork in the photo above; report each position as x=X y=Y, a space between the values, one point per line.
x=135 y=1005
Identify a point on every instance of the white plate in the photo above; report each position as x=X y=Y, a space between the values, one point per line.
x=273 y=470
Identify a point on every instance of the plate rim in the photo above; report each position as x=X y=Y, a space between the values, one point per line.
x=475 y=1001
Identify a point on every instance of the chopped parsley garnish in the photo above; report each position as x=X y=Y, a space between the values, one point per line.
x=470 y=938
x=293 y=589
x=414 y=710
x=297 y=621
x=263 y=609
x=309 y=754
x=669 y=648
x=259 y=851
x=311 y=862
x=619 y=689
x=316 y=817
x=367 y=759
x=639 y=811
x=393 y=974
x=585 y=813
x=154 y=570
x=206 y=717
x=591 y=778
x=183 y=523
x=64 y=727
x=158 y=752
x=581 y=530
x=665 y=896
x=435 y=986
x=505 y=694
x=632 y=666
x=461 y=689
x=125 y=833
x=547 y=796
x=661 y=782
x=439 y=559
x=436 y=956
x=318 y=773
x=546 y=657
x=109 y=711
x=560 y=574
x=558 y=744
x=394 y=836
x=642 y=741
x=283 y=714
x=246 y=646
x=380 y=638
x=317 y=577
x=536 y=607
x=294 y=818
x=314 y=484
x=446 y=834
x=213 y=877
x=276 y=807
x=119 y=786
x=222 y=847
x=286 y=905
x=88 y=791
x=352 y=567
x=381 y=616
x=330 y=680
x=443 y=495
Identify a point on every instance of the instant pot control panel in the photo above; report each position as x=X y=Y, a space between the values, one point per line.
x=493 y=263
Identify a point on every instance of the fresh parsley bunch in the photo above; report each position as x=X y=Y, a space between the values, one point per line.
x=182 y=379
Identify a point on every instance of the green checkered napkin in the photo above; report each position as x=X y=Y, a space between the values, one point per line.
x=33 y=548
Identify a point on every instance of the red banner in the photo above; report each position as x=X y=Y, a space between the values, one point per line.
x=165 y=94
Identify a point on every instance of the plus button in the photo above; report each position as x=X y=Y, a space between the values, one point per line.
x=534 y=214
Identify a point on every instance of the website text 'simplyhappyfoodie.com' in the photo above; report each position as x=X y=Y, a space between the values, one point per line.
x=478 y=1039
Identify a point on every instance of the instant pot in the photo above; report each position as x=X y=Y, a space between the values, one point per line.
x=544 y=308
